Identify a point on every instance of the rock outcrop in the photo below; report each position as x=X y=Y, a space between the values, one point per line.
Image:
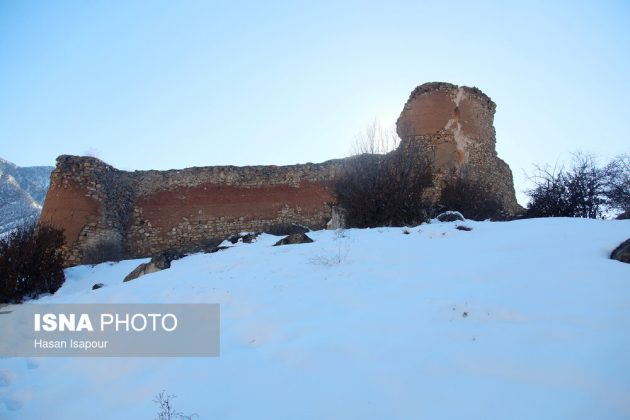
x=110 y=214
x=622 y=252
x=294 y=239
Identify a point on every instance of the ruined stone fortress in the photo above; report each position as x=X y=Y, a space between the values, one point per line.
x=142 y=213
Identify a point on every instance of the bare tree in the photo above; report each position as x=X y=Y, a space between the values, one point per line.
x=617 y=183
x=375 y=140
x=548 y=198
x=585 y=187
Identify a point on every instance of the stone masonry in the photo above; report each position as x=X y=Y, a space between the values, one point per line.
x=142 y=213
x=453 y=125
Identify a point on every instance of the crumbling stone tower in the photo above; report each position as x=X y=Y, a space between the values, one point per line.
x=453 y=125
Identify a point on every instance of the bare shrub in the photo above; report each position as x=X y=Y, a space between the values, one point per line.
x=31 y=262
x=166 y=409
x=617 y=183
x=332 y=259
x=474 y=199
x=579 y=191
x=110 y=249
x=548 y=198
x=340 y=234
x=283 y=229
x=385 y=191
x=585 y=183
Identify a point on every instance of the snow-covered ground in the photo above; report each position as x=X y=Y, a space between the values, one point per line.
x=517 y=320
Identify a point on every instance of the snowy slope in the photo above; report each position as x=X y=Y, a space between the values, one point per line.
x=520 y=320
x=22 y=193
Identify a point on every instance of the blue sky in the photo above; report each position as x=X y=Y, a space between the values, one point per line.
x=164 y=84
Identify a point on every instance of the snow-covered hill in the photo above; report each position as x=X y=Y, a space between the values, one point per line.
x=22 y=193
x=517 y=320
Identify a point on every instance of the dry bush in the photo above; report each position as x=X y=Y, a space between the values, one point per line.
x=380 y=185
x=579 y=191
x=166 y=409
x=31 y=262
x=617 y=183
x=473 y=199
x=104 y=250
x=334 y=258
x=284 y=229
x=376 y=190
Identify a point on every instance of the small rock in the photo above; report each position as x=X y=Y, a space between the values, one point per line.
x=450 y=216
x=622 y=252
x=464 y=228
x=158 y=263
x=97 y=286
x=248 y=238
x=216 y=249
x=296 y=238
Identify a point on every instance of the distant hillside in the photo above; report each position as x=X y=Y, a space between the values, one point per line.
x=22 y=193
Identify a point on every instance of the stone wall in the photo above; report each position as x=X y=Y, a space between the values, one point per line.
x=107 y=211
x=108 y=214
